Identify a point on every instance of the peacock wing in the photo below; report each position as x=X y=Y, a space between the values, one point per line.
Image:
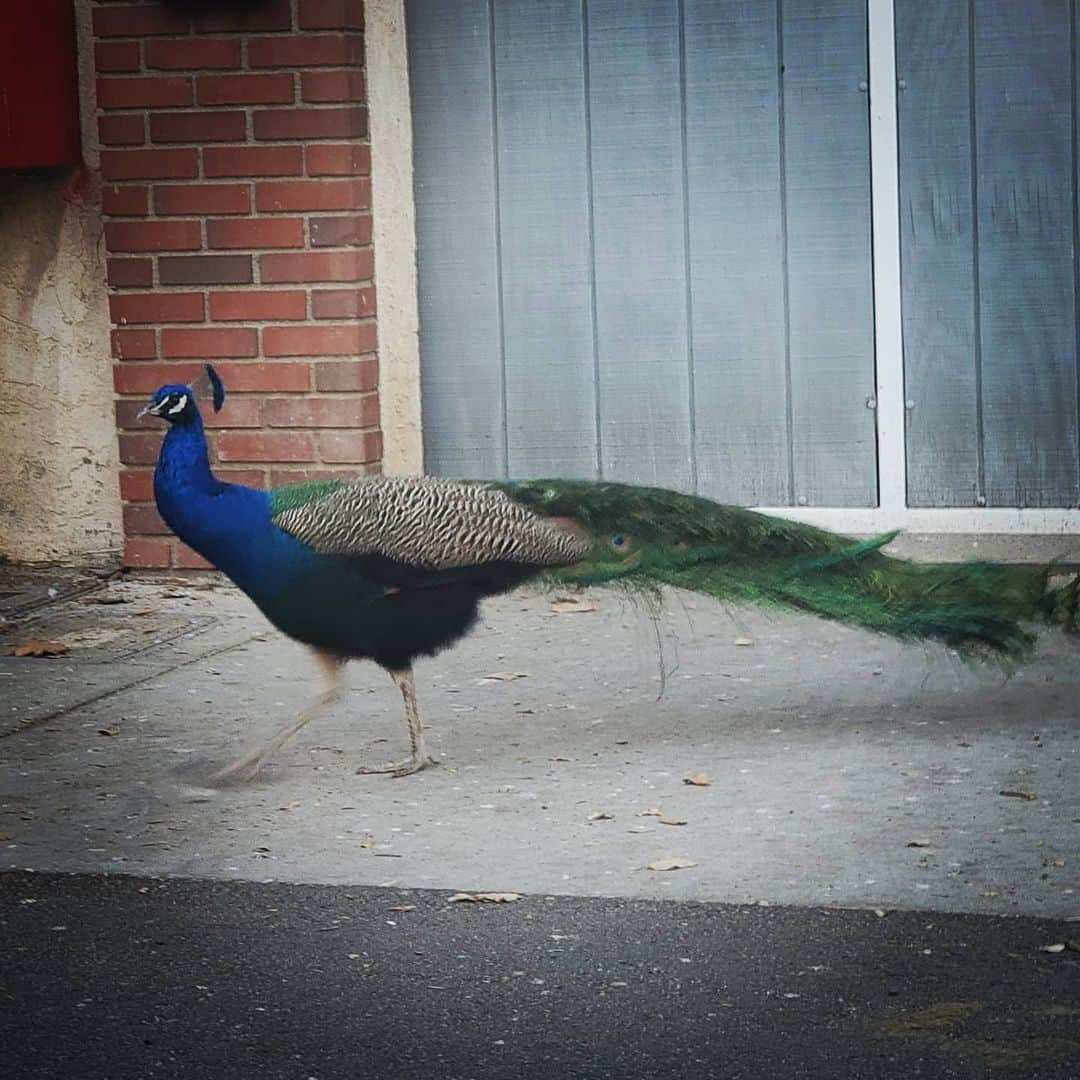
x=426 y=523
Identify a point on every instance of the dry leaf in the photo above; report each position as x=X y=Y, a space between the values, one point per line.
x=698 y=779
x=919 y=842
x=654 y=812
x=110 y=731
x=504 y=676
x=601 y=815
x=6 y=835
x=484 y=898
x=41 y=648
x=402 y=907
x=671 y=864
x=1017 y=793
x=109 y=598
x=671 y=821
x=744 y=641
x=565 y=605
x=1058 y=946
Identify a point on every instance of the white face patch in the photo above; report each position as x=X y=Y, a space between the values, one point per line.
x=180 y=406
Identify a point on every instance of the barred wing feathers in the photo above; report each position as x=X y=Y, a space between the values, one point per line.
x=425 y=523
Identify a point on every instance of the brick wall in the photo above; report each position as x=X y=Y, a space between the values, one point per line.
x=235 y=166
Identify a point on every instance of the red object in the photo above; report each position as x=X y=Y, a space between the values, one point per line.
x=39 y=98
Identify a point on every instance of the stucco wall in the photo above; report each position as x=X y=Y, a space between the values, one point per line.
x=394 y=236
x=58 y=492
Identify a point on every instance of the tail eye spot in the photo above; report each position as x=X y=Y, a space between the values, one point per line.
x=618 y=541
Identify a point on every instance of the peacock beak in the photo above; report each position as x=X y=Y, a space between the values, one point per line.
x=153 y=408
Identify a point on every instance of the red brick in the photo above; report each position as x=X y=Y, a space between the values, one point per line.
x=130 y=273
x=128 y=201
x=153 y=235
x=313 y=195
x=351 y=231
x=140 y=447
x=139 y=20
x=144 y=520
x=156 y=308
x=253 y=161
x=266 y=446
x=193 y=53
x=298 y=50
x=263 y=304
x=268 y=15
x=198 y=127
x=298 y=412
x=205 y=270
x=275 y=89
x=319 y=340
x=350 y=123
x=357 y=265
x=239 y=412
x=331 y=15
x=209 y=343
x=263 y=378
x=123 y=129
x=346 y=160
x=345 y=85
x=116 y=56
x=202 y=198
x=335 y=376
x=136 y=485
x=255 y=233
x=342 y=447
x=143 y=553
x=146 y=91
x=171 y=164
x=146 y=378
x=134 y=344
x=343 y=303
x=184 y=558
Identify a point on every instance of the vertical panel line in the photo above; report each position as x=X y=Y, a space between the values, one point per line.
x=505 y=424
x=1075 y=223
x=973 y=138
x=691 y=391
x=785 y=274
x=590 y=225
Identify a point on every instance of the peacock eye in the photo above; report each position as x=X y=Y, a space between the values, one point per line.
x=619 y=542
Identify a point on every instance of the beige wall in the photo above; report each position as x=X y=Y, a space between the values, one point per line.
x=59 y=499
x=58 y=463
x=394 y=236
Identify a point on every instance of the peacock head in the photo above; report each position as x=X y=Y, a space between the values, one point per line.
x=177 y=404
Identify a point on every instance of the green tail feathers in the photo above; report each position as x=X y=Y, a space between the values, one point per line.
x=652 y=536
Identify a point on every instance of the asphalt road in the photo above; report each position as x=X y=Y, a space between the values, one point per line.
x=120 y=977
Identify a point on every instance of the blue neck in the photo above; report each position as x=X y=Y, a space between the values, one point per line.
x=220 y=521
x=184 y=464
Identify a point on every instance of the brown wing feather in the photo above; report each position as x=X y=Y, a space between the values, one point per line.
x=432 y=524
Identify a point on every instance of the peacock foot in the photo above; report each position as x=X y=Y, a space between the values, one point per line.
x=399 y=768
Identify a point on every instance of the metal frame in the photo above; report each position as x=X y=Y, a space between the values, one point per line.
x=893 y=511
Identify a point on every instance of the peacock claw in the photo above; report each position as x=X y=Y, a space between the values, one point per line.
x=398 y=768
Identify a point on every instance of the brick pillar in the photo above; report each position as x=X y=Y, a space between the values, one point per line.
x=235 y=166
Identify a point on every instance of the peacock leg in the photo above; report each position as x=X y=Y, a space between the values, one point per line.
x=419 y=758
x=247 y=767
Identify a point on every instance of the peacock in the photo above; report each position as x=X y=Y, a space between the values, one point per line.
x=392 y=568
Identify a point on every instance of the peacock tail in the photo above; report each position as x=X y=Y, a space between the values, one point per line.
x=651 y=536
x=598 y=533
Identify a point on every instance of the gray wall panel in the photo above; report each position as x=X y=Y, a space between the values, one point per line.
x=639 y=252
x=830 y=281
x=736 y=251
x=544 y=225
x=449 y=62
x=1023 y=112
x=937 y=238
